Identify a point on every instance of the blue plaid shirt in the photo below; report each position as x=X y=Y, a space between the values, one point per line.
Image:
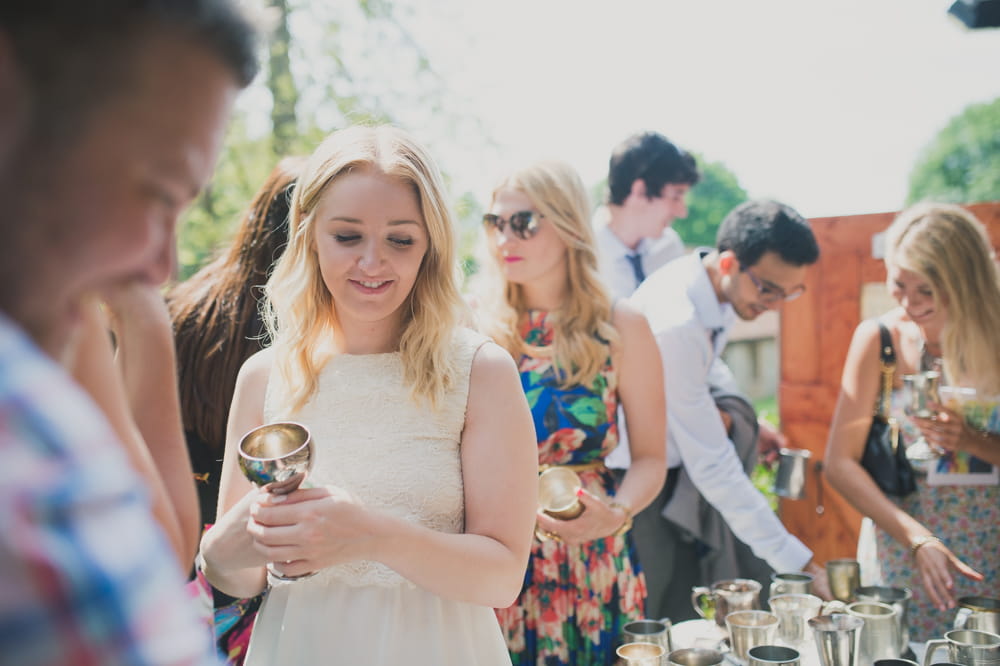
x=86 y=575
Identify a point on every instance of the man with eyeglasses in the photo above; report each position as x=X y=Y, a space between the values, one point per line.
x=763 y=249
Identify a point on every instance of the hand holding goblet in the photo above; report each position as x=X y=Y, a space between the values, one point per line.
x=277 y=457
x=920 y=391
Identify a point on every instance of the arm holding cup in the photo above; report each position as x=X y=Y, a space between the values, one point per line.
x=229 y=559
x=948 y=430
x=313 y=528
x=642 y=396
x=842 y=468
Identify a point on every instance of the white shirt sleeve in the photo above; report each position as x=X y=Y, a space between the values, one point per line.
x=697 y=434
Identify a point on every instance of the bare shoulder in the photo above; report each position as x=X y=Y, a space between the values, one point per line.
x=256 y=369
x=491 y=363
x=867 y=333
x=628 y=320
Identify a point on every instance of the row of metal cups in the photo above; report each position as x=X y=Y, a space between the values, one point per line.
x=647 y=654
x=842 y=639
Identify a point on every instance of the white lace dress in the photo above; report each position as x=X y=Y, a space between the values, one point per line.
x=399 y=458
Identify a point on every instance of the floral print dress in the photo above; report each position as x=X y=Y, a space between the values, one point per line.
x=575 y=599
x=965 y=518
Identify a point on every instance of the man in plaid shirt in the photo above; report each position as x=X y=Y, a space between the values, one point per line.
x=111 y=116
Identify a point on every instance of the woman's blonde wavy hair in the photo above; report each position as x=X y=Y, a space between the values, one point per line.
x=298 y=309
x=582 y=325
x=949 y=247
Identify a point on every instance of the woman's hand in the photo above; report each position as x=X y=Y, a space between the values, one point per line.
x=936 y=563
x=226 y=543
x=310 y=529
x=598 y=520
x=945 y=430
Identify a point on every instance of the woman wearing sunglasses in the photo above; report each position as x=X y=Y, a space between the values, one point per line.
x=580 y=356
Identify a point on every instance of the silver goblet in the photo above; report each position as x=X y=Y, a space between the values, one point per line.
x=277 y=457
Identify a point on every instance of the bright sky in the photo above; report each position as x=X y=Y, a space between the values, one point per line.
x=824 y=105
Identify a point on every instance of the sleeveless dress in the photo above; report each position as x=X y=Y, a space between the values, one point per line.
x=575 y=599
x=965 y=518
x=402 y=459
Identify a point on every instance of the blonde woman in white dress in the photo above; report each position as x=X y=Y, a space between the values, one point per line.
x=419 y=515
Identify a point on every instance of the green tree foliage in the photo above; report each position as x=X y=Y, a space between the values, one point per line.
x=324 y=69
x=962 y=163
x=717 y=192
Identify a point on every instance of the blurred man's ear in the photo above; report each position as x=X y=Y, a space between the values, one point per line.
x=728 y=263
x=638 y=188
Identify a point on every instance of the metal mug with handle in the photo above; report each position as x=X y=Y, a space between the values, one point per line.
x=966 y=646
x=898 y=598
x=979 y=613
x=880 y=635
x=791 y=583
x=726 y=596
x=655 y=632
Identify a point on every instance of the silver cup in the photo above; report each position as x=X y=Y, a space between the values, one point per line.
x=726 y=596
x=979 y=613
x=794 y=611
x=966 y=646
x=750 y=628
x=838 y=638
x=880 y=635
x=790 y=479
x=641 y=654
x=773 y=655
x=695 y=657
x=844 y=576
x=894 y=662
x=791 y=583
x=276 y=456
x=898 y=598
x=656 y=632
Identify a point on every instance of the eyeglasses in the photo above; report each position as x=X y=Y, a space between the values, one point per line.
x=769 y=292
x=523 y=224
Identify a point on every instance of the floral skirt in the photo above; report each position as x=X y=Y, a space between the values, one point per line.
x=574 y=603
x=967 y=520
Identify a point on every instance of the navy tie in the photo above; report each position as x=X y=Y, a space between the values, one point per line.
x=636 y=261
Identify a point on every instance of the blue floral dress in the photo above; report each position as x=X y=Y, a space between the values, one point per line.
x=575 y=599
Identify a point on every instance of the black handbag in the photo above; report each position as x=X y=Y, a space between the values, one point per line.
x=884 y=457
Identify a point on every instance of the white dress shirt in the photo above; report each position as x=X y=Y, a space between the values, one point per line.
x=616 y=270
x=619 y=277
x=690 y=326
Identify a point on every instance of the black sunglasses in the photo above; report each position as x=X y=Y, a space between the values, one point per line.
x=523 y=224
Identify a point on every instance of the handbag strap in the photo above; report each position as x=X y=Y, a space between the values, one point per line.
x=887 y=367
